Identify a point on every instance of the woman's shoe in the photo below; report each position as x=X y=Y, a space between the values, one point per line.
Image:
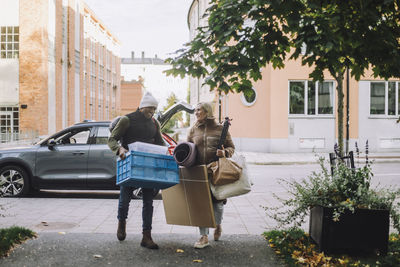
x=202 y=243
x=217 y=232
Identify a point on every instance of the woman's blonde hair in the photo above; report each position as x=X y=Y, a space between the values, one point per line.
x=207 y=107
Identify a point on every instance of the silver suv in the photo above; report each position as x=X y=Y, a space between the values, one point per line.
x=77 y=157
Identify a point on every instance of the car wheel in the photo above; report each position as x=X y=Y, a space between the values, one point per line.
x=14 y=181
x=138 y=193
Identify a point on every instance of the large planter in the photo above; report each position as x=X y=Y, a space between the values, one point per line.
x=362 y=231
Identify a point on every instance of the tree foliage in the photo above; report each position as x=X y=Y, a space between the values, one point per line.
x=244 y=36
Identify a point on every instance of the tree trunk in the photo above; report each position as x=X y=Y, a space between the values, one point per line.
x=339 y=80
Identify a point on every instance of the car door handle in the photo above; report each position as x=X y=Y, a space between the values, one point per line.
x=78 y=153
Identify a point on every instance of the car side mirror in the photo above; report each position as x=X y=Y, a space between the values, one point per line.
x=51 y=143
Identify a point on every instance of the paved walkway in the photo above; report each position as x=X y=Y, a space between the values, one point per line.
x=84 y=213
x=74 y=228
x=79 y=228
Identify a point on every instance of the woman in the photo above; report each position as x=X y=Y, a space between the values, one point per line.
x=205 y=134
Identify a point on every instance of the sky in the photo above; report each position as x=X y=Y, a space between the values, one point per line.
x=153 y=26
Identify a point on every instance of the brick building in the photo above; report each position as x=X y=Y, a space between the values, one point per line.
x=131 y=92
x=59 y=64
x=151 y=71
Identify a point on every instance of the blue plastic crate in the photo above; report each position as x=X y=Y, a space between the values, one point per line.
x=147 y=170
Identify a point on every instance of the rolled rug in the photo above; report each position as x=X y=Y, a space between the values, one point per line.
x=185 y=154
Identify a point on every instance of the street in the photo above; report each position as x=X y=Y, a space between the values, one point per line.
x=265 y=177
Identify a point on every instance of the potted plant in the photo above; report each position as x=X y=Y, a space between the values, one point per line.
x=346 y=213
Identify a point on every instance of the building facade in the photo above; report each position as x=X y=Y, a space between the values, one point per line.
x=150 y=70
x=59 y=65
x=289 y=113
x=131 y=94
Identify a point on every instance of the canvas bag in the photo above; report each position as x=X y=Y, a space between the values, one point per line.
x=240 y=187
x=224 y=171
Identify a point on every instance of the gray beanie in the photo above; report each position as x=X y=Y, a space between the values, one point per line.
x=148 y=100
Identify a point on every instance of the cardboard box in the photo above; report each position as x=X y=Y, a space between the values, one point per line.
x=189 y=202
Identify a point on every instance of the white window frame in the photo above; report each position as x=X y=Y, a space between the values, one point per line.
x=305 y=115
x=397 y=95
x=244 y=100
x=9 y=130
x=5 y=43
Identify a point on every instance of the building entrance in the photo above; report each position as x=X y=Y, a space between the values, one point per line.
x=9 y=124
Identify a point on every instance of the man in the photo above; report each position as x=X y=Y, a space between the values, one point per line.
x=136 y=126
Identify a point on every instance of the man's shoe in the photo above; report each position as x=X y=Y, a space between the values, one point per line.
x=121 y=232
x=202 y=243
x=147 y=241
x=217 y=232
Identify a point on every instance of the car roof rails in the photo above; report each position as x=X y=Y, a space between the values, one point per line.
x=84 y=121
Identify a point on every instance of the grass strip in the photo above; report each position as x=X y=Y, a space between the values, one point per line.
x=296 y=248
x=10 y=237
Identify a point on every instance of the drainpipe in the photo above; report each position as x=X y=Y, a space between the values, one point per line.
x=219 y=107
x=347 y=110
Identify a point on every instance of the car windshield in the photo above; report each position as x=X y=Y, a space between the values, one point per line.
x=42 y=141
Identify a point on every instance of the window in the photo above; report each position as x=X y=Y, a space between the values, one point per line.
x=296 y=98
x=250 y=98
x=311 y=98
x=325 y=98
x=377 y=98
x=9 y=42
x=76 y=136
x=85 y=80
x=77 y=61
x=113 y=100
x=102 y=135
x=384 y=98
x=101 y=72
x=101 y=55
x=92 y=95
x=9 y=124
x=101 y=99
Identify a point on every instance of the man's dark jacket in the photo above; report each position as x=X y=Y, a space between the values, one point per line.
x=135 y=127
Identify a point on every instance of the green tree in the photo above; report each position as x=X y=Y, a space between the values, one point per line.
x=171 y=100
x=333 y=35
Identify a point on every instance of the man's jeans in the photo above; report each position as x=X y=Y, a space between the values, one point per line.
x=125 y=196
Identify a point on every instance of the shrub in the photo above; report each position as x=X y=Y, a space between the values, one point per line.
x=9 y=237
x=346 y=189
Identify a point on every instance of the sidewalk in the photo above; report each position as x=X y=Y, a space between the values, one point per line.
x=309 y=158
x=80 y=231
